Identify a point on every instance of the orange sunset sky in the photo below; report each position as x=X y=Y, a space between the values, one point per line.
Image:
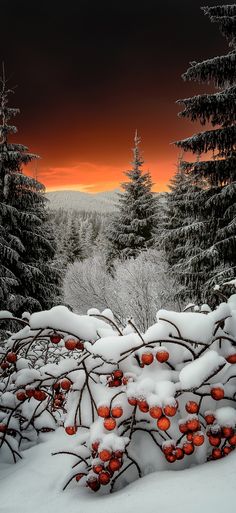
x=89 y=75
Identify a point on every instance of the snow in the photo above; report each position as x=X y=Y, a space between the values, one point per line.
x=111 y=347
x=4 y=314
x=35 y=483
x=191 y=325
x=26 y=376
x=226 y=416
x=62 y=319
x=193 y=374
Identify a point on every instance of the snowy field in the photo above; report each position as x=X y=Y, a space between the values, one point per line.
x=34 y=486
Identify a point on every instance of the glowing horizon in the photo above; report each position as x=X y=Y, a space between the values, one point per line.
x=84 y=176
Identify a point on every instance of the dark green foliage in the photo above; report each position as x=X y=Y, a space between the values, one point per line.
x=27 y=278
x=208 y=240
x=133 y=227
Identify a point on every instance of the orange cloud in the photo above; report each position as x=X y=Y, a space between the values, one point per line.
x=96 y=177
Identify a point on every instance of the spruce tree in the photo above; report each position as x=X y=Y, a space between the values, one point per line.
x=28 y=281
x=74 y=247
x=181 y=232
x=213 y=257
x=132 y=229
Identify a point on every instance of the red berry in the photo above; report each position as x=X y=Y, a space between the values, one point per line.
x=117 y=412
x=214 y=440
x=155 y=412
x=132 y=401
x=231 y=358
x=209 y=418
x=189 y=436
x=232 y=440
x=118 y=374
x=147 y=358
x=163 y=423
x=70 y=344
x=143 y=405
x=71 y=430
x=116 y=382
x=198 y=439
x=3 y=427
x=188 y=448
x=170 y=410
x=109 y=423
x=104 y=477
x=105 y=455
x=118 y=454
x=227 y=431
x=162 y=356
x=65 y=384
x=78 y=477
x=171 y=457
x=216 y=453
x=55 y=338
x=103 y=411
x=191 y=407
x=168 y=448
x=183 y=427
x=21 y=395
x=40 y=395
x=193 y=424
x=95 y=445
x=114 y=464
x=217 y=393
x=4 y=365
x=227 y=449
x=11 y=357
x=93 y=483
x=98 y=468
x=79 y=345
x=30 y=392
x=179 y=453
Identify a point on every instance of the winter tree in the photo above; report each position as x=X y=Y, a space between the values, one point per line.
x=180 y=234
x=132 y=229
x=28 y=281
x=213 y=258
x=137 y=287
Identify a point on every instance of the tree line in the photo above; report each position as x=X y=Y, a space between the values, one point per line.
x=193 y=225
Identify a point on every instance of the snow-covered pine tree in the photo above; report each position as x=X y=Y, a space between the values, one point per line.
x=27 y=279
x=133 y=226
x=214 y=259
x=74 y=246
x=181 y=231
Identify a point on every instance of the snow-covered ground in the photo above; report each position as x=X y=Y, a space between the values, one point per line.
x=34 y=485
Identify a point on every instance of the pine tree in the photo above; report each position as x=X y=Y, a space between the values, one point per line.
x=27 y=279
x=132 y=229
x=213 y=259
x=181 y=232
x=74 y=247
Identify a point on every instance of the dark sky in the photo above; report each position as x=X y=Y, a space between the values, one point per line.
x=90 y=73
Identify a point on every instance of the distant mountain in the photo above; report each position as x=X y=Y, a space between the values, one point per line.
x=99 y=202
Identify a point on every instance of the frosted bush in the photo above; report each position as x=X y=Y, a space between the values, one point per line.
x=135 y=402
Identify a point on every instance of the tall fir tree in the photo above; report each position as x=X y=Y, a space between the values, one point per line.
x=213 y=255
x=132 y=228
x=74 y=246
x=28 y=282
x=181 y=232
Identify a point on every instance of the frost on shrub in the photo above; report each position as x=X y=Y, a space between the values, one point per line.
x=133 y=402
